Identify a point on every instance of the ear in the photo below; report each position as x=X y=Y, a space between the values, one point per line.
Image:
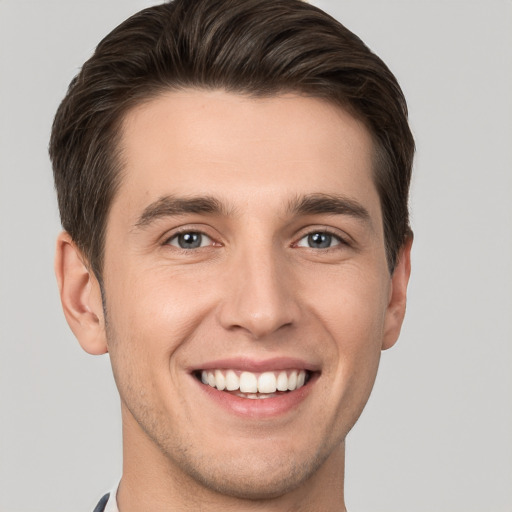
x=80 y=295
x=397 y=296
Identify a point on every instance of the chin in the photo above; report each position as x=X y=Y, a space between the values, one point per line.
x=245 y=481
x=252 y=476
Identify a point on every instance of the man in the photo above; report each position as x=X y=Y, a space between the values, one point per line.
x=232 y=178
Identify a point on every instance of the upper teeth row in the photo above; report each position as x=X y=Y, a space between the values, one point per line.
x=248 y=382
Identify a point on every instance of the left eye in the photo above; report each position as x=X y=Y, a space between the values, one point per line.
x=319 y=240
x=190 y=240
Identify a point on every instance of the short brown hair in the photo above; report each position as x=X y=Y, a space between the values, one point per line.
x=254 y=47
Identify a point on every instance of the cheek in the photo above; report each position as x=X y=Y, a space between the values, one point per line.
x=151 y=316
x=155 y=306
x=351 y=303
x=352 y=310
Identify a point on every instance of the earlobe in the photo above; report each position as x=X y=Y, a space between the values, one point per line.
x=398 y=296
x=80 y=296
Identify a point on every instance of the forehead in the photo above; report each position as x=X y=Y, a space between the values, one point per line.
x=239 y=148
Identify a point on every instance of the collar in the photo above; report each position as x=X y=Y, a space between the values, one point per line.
x=111 y=505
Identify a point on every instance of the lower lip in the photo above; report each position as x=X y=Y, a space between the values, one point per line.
x=261 y=407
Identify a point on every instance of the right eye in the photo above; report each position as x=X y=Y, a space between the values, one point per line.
x=190 y=240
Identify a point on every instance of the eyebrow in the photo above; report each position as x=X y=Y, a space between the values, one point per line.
x=330 y=204
x=168 y=206
x=311 y=204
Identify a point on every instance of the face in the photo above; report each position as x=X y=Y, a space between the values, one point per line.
x=246 y=286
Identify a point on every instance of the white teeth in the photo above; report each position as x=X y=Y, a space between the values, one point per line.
x=267 y=383
x=292 y=381
x=248 y=383
x=232 y=381
x=282 y=382
x=301 y=379
x=263 y=385
x=220 y=381
x=256 y=396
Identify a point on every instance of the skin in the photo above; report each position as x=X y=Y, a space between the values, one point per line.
x=254 y=291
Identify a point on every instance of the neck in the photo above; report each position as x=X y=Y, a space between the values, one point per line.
x=152 y=481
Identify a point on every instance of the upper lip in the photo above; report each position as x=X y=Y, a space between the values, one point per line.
x=257 y=365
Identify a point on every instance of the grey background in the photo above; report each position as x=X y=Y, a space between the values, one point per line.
x=437 y=432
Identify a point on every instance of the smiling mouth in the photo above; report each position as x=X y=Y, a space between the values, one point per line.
x=251 y=385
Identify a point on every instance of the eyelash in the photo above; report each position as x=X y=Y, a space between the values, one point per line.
x=188 y=232
x=341 y=241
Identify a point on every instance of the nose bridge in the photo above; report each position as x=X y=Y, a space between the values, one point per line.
x=257 y=296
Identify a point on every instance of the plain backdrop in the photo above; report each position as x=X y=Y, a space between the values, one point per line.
x=436 y=435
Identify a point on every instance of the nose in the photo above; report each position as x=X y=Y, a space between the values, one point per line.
x=258 y=294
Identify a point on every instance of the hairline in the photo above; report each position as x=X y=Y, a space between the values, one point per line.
x=155 y=91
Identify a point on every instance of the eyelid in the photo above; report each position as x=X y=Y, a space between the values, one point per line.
x=204 y=236
x=189 y=228
x=342 y=238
